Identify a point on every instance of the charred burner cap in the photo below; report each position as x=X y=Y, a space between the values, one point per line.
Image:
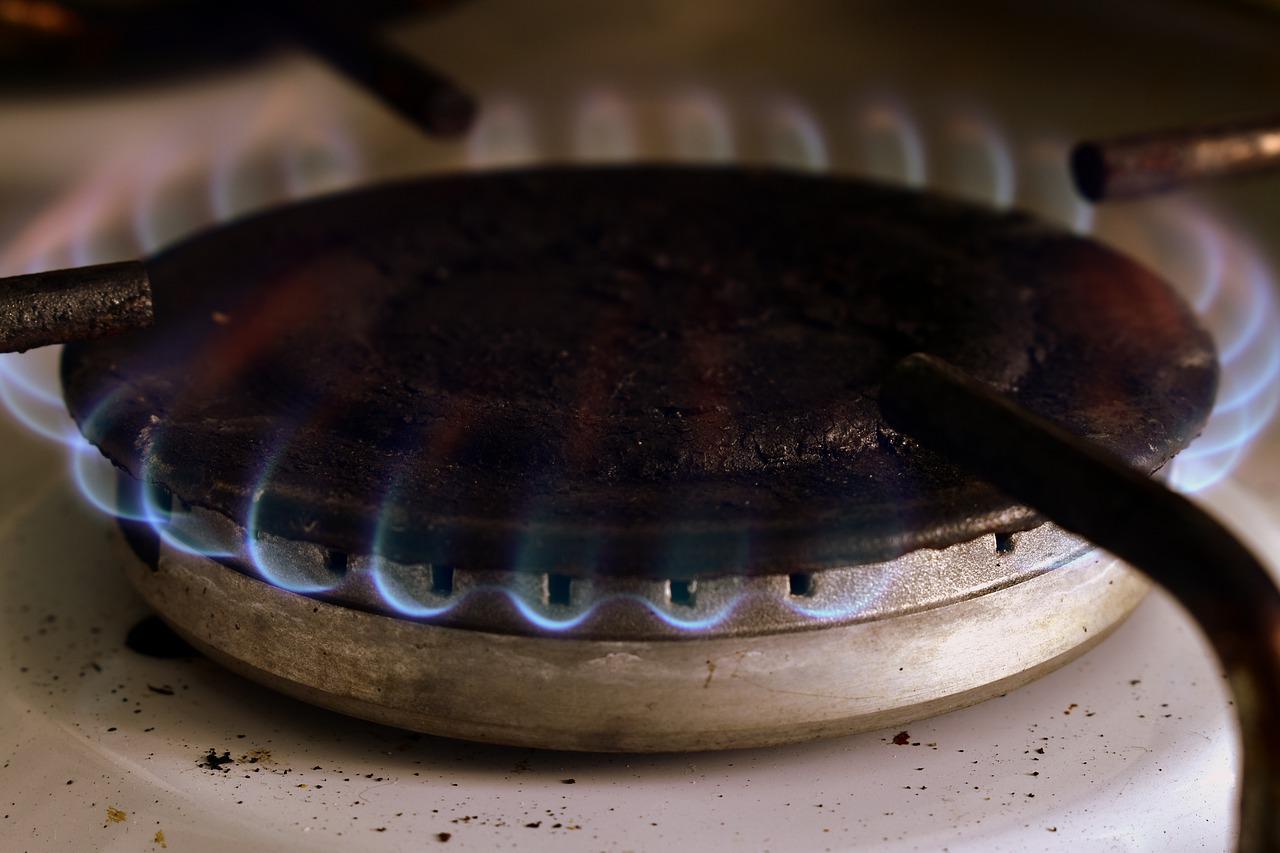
x=641 y=370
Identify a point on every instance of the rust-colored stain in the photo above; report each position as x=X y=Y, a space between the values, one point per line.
x=257 y=756
x=116 y=815
x=160 y=839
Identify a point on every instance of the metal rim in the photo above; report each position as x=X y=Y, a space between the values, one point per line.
x=697 y=693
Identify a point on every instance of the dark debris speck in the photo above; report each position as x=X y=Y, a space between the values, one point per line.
x=213 y=761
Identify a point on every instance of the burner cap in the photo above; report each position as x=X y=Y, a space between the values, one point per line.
x=641 y=370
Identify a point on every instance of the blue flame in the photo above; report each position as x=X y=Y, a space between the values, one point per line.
x=604 y=128
x=552 y=618
x=543 y=621
x=1046 y=188
x=1214 y=265
x=845 y=609
x=1231 y=288
x=400 y=600
x=1235 y=296
x=700 y=128
x=324 y=160
x=535 y=613
x=993 y=178
x=261 y=548
x=795 y=136
x=181 y=532
x=97 y=481
x=892 y=145
x=33 y=402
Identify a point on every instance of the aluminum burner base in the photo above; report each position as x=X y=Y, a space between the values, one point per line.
x=688 y=694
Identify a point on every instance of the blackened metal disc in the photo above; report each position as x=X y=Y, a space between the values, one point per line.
x=640 y=370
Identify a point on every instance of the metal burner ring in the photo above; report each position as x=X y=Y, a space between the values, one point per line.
x=696 y=693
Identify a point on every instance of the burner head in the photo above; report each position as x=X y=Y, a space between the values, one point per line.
x=640 y=370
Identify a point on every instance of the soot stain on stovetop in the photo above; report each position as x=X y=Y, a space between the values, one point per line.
x=254 y=759
x=153 y=638
x=213 y=761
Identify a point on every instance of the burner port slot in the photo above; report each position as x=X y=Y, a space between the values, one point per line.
x=558 y=589
x=801 y=583
x=683 y=593
x=336 y=562
x=442 y=580
x=1006 y=542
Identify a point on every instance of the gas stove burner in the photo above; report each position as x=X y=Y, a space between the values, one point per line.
x=623 y=422
x=658 y=372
